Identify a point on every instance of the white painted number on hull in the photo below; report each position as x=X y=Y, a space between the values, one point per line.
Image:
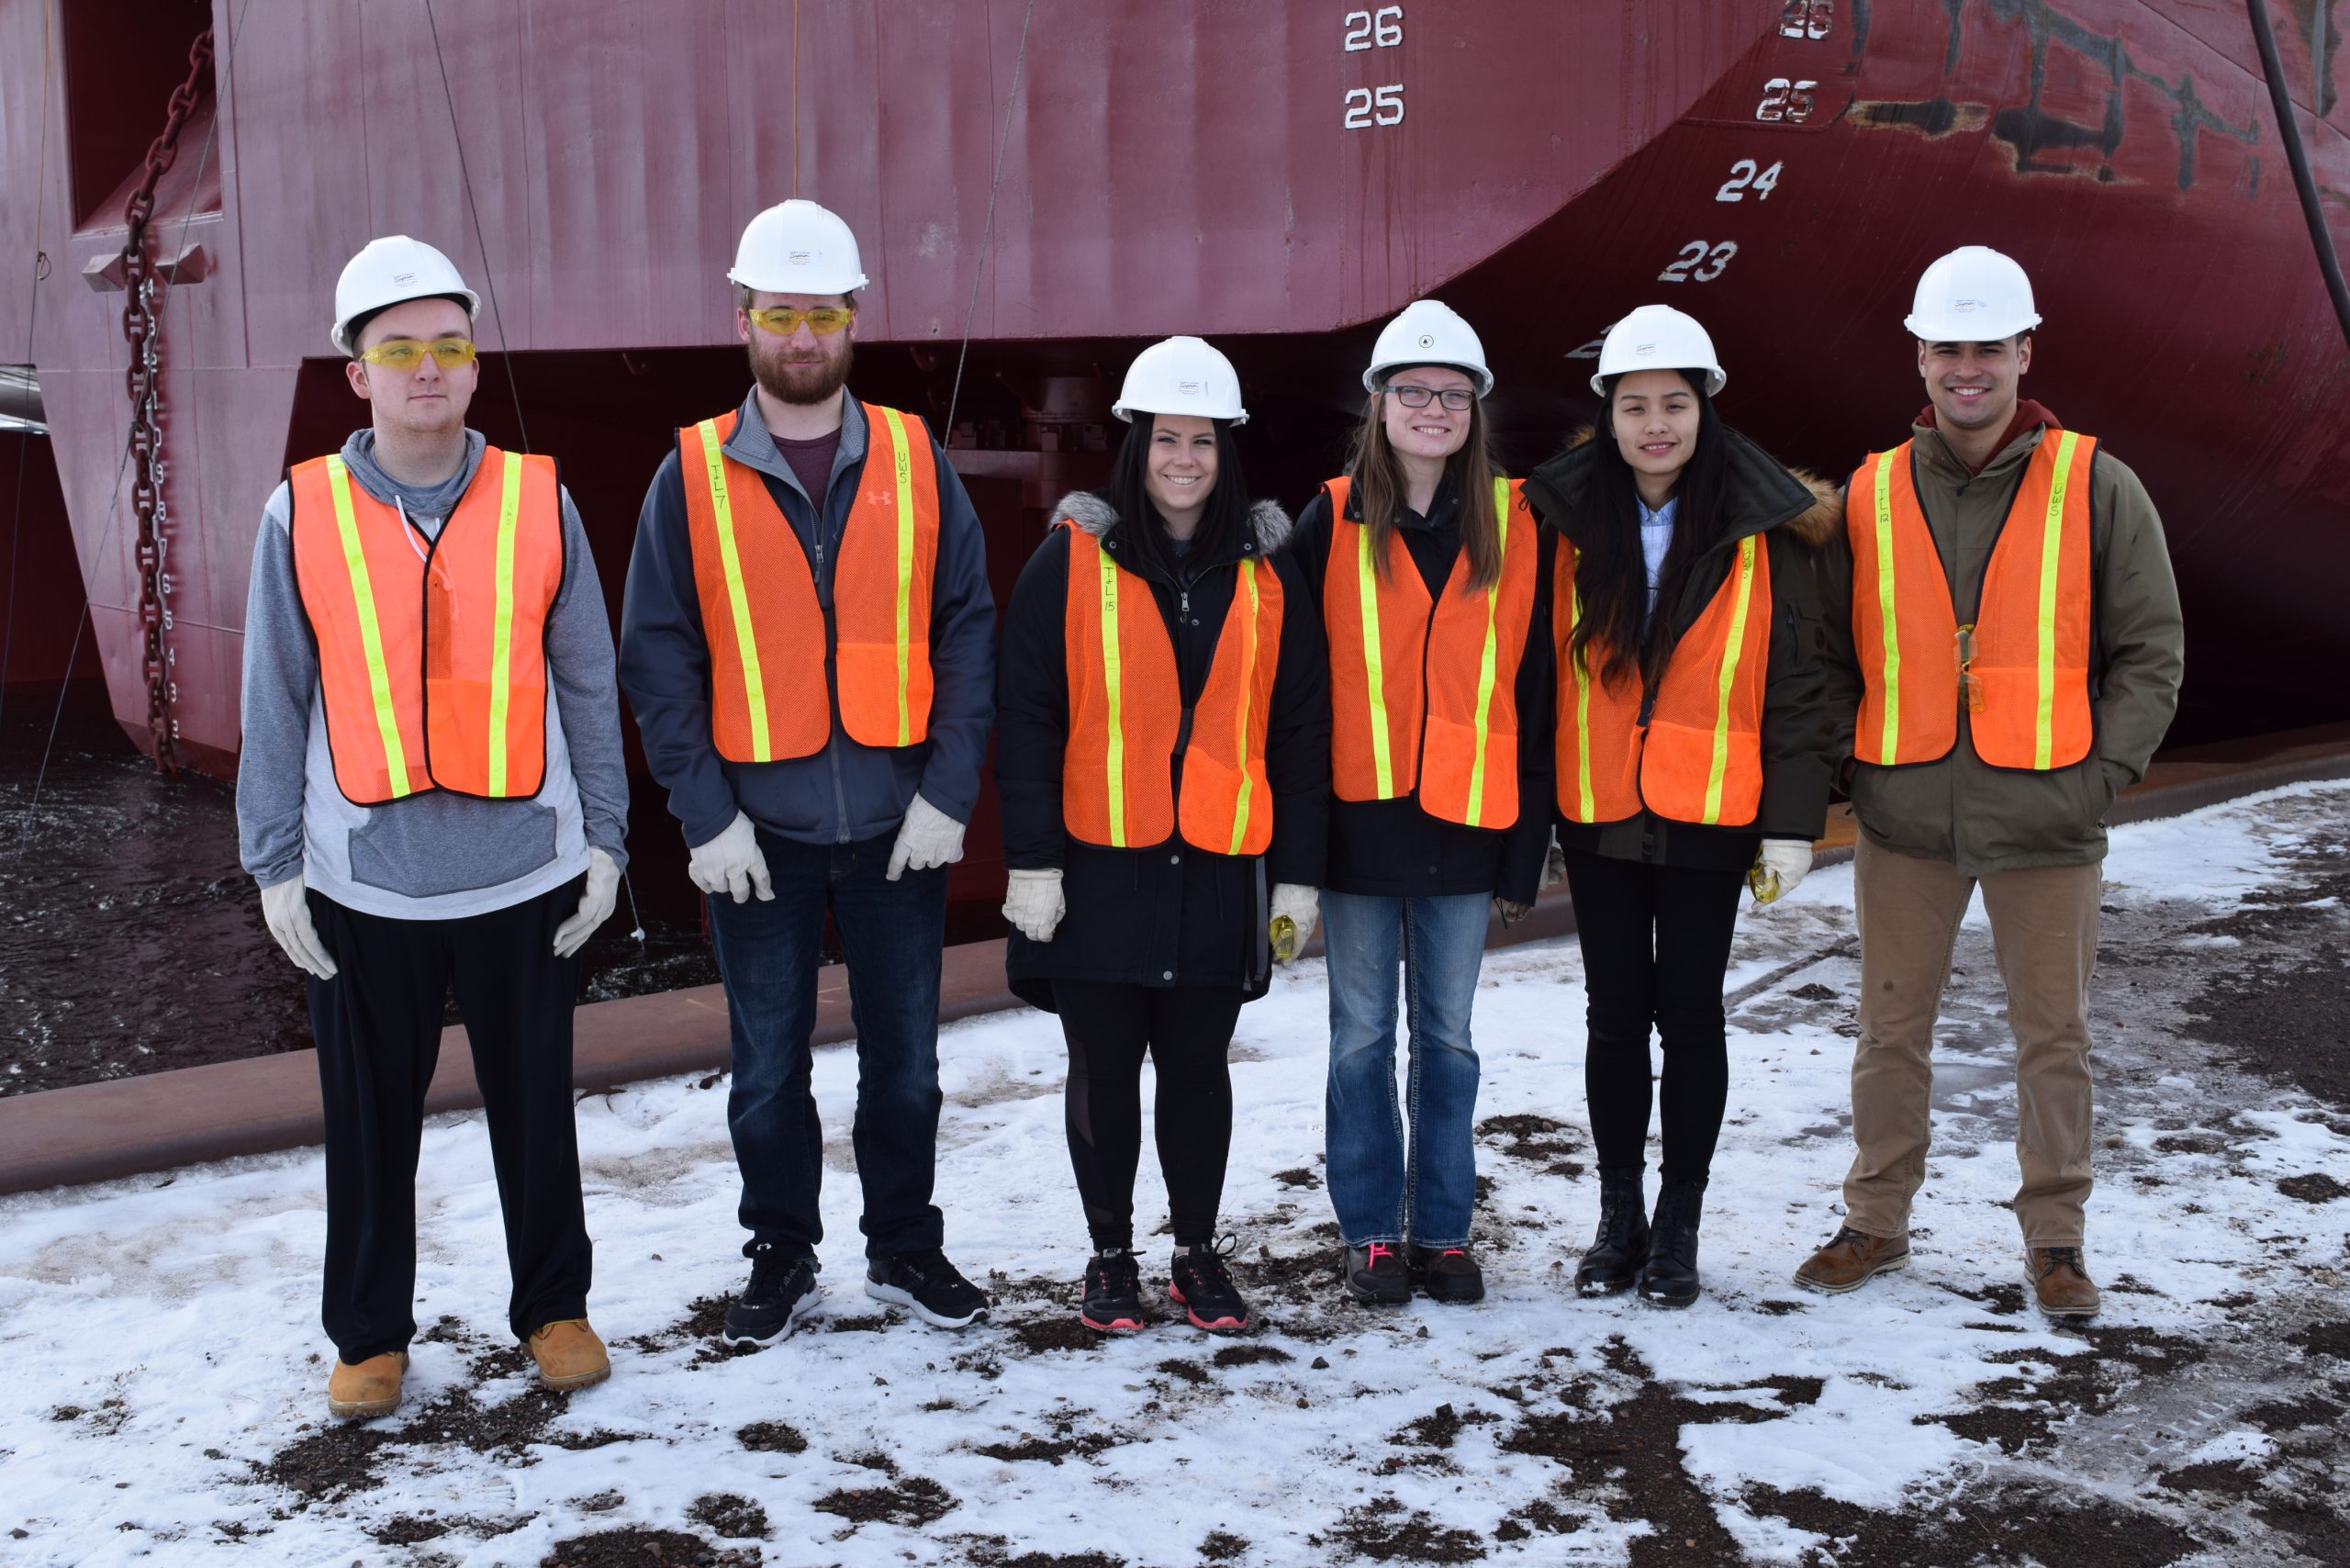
x=1808 y=19
x=1744 y=177
x=1699 y=262
x=1383 y=28
x=1367 y=106
x=1786 y=100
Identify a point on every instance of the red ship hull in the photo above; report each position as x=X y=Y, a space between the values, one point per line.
x=1780 y=168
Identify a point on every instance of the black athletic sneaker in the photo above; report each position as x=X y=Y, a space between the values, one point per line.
x=1113 y=1302
x=1198 y=1280
x=928 y=1284
x=1448 y=1274
x=782 y=1291
x=1375 y=1274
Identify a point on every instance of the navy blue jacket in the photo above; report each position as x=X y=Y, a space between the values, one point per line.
x=846 y=792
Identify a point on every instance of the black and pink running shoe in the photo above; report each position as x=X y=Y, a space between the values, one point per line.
x=1198 y=1280
x=1113 y=1302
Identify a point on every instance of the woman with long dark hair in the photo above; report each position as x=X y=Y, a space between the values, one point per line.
x=1693 y=753
x=1162 y=757
x=1427 y=572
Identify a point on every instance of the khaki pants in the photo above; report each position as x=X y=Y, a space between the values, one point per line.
x=2043 y=927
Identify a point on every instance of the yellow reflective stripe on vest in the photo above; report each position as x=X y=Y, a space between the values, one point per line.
x=1485 y=669
x=502 y=632
x=1114 y=755
x=1582 y=677
x=903 y=461
x=1248 y=696
x=1373 y=664
x=1886 y=594
x=1730 y=651
x=2051 y=537
x=746 y=643
x=371 y=637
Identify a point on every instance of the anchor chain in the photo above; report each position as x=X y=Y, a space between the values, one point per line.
x=142 y=327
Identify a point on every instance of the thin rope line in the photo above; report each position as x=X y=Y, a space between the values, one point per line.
x=488 y=277
x=32 y=321
x=114 y=507
x=987 y=234
x=795 y=97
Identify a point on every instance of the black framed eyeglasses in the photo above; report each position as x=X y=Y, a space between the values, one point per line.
x=1457 y=398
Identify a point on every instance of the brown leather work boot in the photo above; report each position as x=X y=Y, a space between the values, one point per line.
x=1851 y=1260
x=370 y=1389
x=569 y=1355
x=2061 y=1281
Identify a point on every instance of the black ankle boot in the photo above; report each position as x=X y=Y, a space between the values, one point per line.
x=1622 y=1240
x=1669 y=1278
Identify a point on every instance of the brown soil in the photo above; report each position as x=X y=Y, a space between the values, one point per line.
x=912 y=1503
x=2286 y=1009
x=1382 y=1532
x=772 y=1437
x=636 y=1546
x=730 y=1515
x=2017 y=1525
x=2019 y=1411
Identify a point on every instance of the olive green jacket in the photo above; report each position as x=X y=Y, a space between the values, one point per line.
x=1983 y=819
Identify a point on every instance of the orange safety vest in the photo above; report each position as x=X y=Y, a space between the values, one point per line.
x=2021 y=670
x=1424 y=695
x=1125 y=713
x=759 y=612
x=1697 y=757
x=433 y=664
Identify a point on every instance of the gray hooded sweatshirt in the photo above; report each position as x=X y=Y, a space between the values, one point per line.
x=433 y=855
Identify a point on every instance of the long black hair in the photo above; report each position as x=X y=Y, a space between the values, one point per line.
x=1611 y=574
x=1221 y=520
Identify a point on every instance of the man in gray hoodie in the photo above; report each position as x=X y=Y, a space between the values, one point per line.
x=431 y=794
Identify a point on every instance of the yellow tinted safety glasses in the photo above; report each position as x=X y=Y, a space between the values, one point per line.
x=406 y=354
x=783 y=320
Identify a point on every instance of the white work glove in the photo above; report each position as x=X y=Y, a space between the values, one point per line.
x=1303 y=905
x=1779 y=865
x=287 y=910
x=1033 y=903
x=595 y=906
x=927 y=838
x=731 y=863
x=1554 y=867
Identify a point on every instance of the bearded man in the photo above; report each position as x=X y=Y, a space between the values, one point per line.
x=808 y=643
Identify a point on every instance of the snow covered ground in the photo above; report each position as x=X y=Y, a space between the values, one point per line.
x=164 y=1377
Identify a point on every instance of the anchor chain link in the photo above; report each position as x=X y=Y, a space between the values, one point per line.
x=143 y=284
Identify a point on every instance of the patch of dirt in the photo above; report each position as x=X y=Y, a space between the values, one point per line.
x=2019 y=1411
x=1054 y=1331
x=2027 y=1523
x=638 y=1546
x=730 y=1515
x=2316 y=1187
x=771 y=1437
x=1299 y=1178
x=911 y=1503
x=1439 y=1428
x=2285 y=1010
x=994 y=1551
x=1382 y=1532
x=2325 y=1339
x=1222 y=1546
x=1190 y=1372
x=1052 y=1449
x=1250 y=1355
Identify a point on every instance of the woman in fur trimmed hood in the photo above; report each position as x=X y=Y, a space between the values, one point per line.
x=1694 y=747
x=1162 y=759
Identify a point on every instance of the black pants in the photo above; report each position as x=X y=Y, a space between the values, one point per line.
x=1655 y=944
x=1185 y=1030
x=378 y=1028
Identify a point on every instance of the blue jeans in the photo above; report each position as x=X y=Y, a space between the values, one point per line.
x=768 y=952
x=1381 y=1195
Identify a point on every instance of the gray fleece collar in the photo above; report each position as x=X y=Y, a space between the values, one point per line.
x=1088 y=511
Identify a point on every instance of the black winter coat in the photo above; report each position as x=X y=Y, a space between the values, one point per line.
x=1393 y=848
x=1173 y=914
x=1795 y=517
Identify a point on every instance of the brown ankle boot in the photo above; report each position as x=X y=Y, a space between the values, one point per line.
x=569 y=1355
x=371 y=1388
x=1851 y=1260
x=2061 y=1281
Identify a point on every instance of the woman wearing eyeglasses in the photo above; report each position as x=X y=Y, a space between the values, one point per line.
x=1162 y=739
x=1427 y=575
x=1693 y=753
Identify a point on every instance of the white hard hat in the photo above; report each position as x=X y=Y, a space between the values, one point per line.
x=1429 y=331
x=389 y=272
x=1975 y=295
x=1658 y=337
x=1180 y=376
x=798 y=247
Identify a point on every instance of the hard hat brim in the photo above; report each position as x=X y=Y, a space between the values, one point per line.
x=1716 y=377
x=1932 y=331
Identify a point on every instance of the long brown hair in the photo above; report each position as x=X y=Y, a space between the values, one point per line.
x=1377 y=475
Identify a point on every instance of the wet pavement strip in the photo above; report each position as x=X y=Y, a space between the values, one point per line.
x=1932 y=1419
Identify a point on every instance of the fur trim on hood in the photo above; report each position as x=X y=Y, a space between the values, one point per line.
x=1089 y=511
x=1814 y=525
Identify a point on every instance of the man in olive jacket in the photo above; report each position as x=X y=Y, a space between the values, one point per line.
x=1995 y=483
